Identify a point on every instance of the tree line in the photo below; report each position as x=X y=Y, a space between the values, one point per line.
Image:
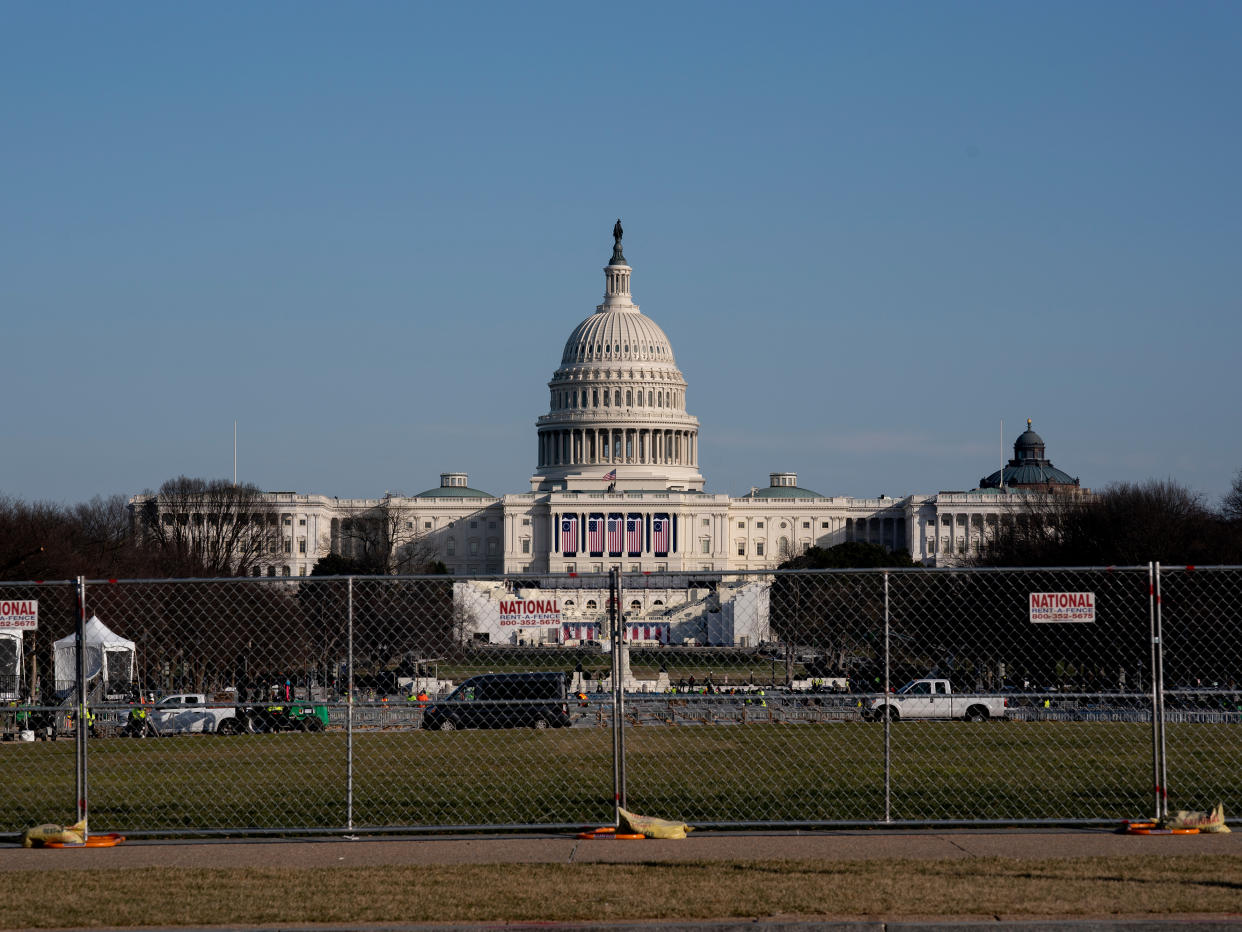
x=974 y=627
x=193 y=633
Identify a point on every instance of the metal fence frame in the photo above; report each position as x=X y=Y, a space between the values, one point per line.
x=611 y=710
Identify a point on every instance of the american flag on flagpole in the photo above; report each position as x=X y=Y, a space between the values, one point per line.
x=569 y=535
x=659 y=535
x=634 y=535
x=610 y=475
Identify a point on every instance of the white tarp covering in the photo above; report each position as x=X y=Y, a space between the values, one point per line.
x=10 y=664
x=106 y=653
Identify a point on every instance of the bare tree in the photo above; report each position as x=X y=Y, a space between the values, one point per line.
x=1231 y=504
x=384 y=538
x=208 y=527
x=1127 y=524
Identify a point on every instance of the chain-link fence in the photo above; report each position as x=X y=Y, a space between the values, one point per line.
x=781 y=698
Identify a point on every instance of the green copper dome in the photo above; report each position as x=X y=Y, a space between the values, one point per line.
x=1029 y=467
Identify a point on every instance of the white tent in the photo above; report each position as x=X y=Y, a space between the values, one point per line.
x=10 y=664
x=106 y=653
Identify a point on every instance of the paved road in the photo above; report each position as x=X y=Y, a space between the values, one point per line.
x=560 y=849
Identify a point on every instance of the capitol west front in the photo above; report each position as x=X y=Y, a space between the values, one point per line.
x=617 y=483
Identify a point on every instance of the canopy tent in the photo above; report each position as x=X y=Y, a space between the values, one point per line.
x=107 y=653
x=10 y=664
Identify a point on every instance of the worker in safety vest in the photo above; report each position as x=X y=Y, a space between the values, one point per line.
x=136 y=726
x=762 y=701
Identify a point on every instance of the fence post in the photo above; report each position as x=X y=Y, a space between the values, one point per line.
x=83 y=787
x=349 y=705
x=1163 y=796
x=1157 y=786
x=617 y=643
x=888 y=762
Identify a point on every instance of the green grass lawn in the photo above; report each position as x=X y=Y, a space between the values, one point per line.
x=756 y=772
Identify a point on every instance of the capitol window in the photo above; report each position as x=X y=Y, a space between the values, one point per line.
x=759 y=548
x=616 y=398
x=649 y=398
x=741 y=548
x=595 y=397
x=525 y=545
x=450 y=547
x=705 y=546
x=474 y=547
x=629 y=398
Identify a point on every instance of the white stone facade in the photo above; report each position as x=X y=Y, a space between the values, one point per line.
x=617 y=484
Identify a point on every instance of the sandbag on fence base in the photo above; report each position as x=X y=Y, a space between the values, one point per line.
x=40 y=836
x=653 y=827
x=1208 y=822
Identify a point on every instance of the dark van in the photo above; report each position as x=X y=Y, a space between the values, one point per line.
x=503 y=700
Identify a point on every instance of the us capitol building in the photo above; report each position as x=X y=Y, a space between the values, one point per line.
x=617 y=483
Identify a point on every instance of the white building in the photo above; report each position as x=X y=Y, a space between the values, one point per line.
x=617 y=483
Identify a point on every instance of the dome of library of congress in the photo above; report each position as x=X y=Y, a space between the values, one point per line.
x=617 y=402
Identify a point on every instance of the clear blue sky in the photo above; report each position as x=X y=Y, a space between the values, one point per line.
x=870 y=230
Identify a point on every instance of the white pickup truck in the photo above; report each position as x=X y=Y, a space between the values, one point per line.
x=930 y=698
x=187 y=713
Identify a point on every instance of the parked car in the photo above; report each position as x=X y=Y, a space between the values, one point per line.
x=187 y=713
x=503 y=700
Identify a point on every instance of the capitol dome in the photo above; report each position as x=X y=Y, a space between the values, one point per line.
x=617 y=337
x=616 y=416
